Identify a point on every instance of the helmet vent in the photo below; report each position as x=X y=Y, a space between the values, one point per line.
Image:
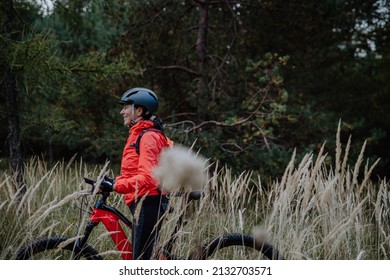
x=152 y=95
x=131 y=93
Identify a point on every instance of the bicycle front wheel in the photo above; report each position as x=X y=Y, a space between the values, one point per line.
x=56 y=248
x=238 y=246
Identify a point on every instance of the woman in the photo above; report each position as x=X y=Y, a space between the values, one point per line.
x=136 y=182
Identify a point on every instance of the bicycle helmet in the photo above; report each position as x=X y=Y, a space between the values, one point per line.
x=141 y=97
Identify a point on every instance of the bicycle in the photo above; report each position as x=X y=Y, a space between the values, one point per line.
x=109 y=216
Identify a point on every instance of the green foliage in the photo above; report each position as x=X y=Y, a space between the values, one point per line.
x=64 y=99
x=277 y=76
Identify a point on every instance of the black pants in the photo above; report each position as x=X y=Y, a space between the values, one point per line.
x=146 y=225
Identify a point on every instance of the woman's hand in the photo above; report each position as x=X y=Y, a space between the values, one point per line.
x=107 y=185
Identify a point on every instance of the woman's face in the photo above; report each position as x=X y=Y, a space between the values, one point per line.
x=127 y=113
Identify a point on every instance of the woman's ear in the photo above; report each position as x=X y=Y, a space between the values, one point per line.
x=138 y=111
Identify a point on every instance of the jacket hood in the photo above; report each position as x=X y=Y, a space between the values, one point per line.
x=141 y=125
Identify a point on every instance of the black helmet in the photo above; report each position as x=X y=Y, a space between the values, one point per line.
x=141 y=97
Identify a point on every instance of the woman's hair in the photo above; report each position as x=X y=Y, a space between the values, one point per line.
x=148 y=116
x=157 y=123
x=145 y=114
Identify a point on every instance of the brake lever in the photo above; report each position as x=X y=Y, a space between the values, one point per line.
x=90 y=182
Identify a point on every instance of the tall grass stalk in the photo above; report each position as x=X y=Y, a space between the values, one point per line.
x=315 y=211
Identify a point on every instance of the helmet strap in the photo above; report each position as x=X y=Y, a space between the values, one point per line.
x=133 y=122
x=132 y=112
x=133 y=119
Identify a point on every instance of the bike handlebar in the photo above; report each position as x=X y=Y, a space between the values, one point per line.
x=104 y=195
x=89 y=181
x=194 y=195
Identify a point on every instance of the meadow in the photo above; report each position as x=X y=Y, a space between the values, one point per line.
x=318 y=210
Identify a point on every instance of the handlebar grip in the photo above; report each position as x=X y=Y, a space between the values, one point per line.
x=195 y=195
x=89 y=181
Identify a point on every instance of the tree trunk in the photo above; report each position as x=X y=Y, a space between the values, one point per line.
x=202 y=33
x=202 y=54
x=16 y=160
x=9 y=89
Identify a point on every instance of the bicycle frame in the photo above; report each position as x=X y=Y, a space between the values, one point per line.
x=110 y=217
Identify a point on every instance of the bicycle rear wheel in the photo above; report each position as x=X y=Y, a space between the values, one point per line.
x=56 y=248
x=238 y=246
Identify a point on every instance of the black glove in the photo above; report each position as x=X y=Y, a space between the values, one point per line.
x=107 y=184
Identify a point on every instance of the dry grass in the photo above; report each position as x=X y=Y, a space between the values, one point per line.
x=315 y=211
x=320 y=213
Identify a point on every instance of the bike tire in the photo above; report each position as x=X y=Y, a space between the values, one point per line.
x=51 y=244
x=239 y=240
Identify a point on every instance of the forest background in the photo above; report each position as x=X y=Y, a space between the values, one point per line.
x=249 y=81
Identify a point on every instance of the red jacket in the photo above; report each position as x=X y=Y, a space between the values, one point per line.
x=136 y=178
